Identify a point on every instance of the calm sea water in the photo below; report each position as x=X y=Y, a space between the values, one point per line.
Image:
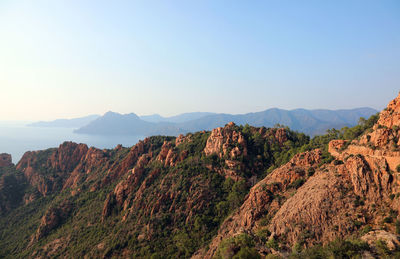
x=16 y=138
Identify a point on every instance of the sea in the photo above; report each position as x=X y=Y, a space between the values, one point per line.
x=16 y=138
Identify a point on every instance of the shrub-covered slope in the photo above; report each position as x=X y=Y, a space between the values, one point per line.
x=165 y=196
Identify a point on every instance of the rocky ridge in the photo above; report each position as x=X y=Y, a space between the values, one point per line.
x=187 y=184
x=360 y=188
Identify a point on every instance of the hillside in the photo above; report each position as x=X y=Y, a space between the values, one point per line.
x=144 y=200
x=233 y=192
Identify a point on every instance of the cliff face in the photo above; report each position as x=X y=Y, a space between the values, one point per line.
x=358 y=189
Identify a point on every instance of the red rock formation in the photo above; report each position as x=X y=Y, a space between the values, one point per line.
x=52 y=219
x=60 y=162
x=391 y=115
x=5 y=160
x=167 y=154
x=182 y=139
x=67 y=156
x=226 y=141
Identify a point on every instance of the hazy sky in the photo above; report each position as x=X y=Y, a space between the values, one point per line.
x=77 y=57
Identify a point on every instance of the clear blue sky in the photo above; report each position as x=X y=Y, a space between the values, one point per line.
x=77 y=57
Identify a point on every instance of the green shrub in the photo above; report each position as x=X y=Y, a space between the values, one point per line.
x=382 y=248
x=247 y=253
x=388 y=220
x=335 y=249
x=263 y=234
x=297 y=183
x=310 y=171
x=397 y=224
x=240 y=246
x=296 y=248
x=272 y=243
x=365 y=230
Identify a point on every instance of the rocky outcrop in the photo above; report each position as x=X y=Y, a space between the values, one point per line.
x=390 y=116
x=48 y=170
x=317 y=209
x=67 y=156
x=167 y=154
x=391 y=240
x=125 y=188
x=70 y=164
x=182 y=139
x=52 y=219
x=227 y=142
x=5 y=160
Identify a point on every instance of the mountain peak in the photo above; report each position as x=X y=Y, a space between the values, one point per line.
x=111 y=113
x=390 y=116
x=5 y=160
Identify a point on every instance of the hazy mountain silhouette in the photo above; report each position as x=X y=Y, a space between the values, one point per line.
x=311 y=122
x=184 y=117
x=66 y=123
x=113 y=123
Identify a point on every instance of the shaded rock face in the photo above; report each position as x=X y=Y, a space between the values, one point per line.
x=357 y=189
x=52 y=219
x=5 y=160
x=12 y=190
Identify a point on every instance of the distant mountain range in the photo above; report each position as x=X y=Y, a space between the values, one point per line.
x=66 y=123
x=311 y=122
x=184 y=117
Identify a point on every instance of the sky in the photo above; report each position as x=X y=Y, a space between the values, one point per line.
x=70 y=58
